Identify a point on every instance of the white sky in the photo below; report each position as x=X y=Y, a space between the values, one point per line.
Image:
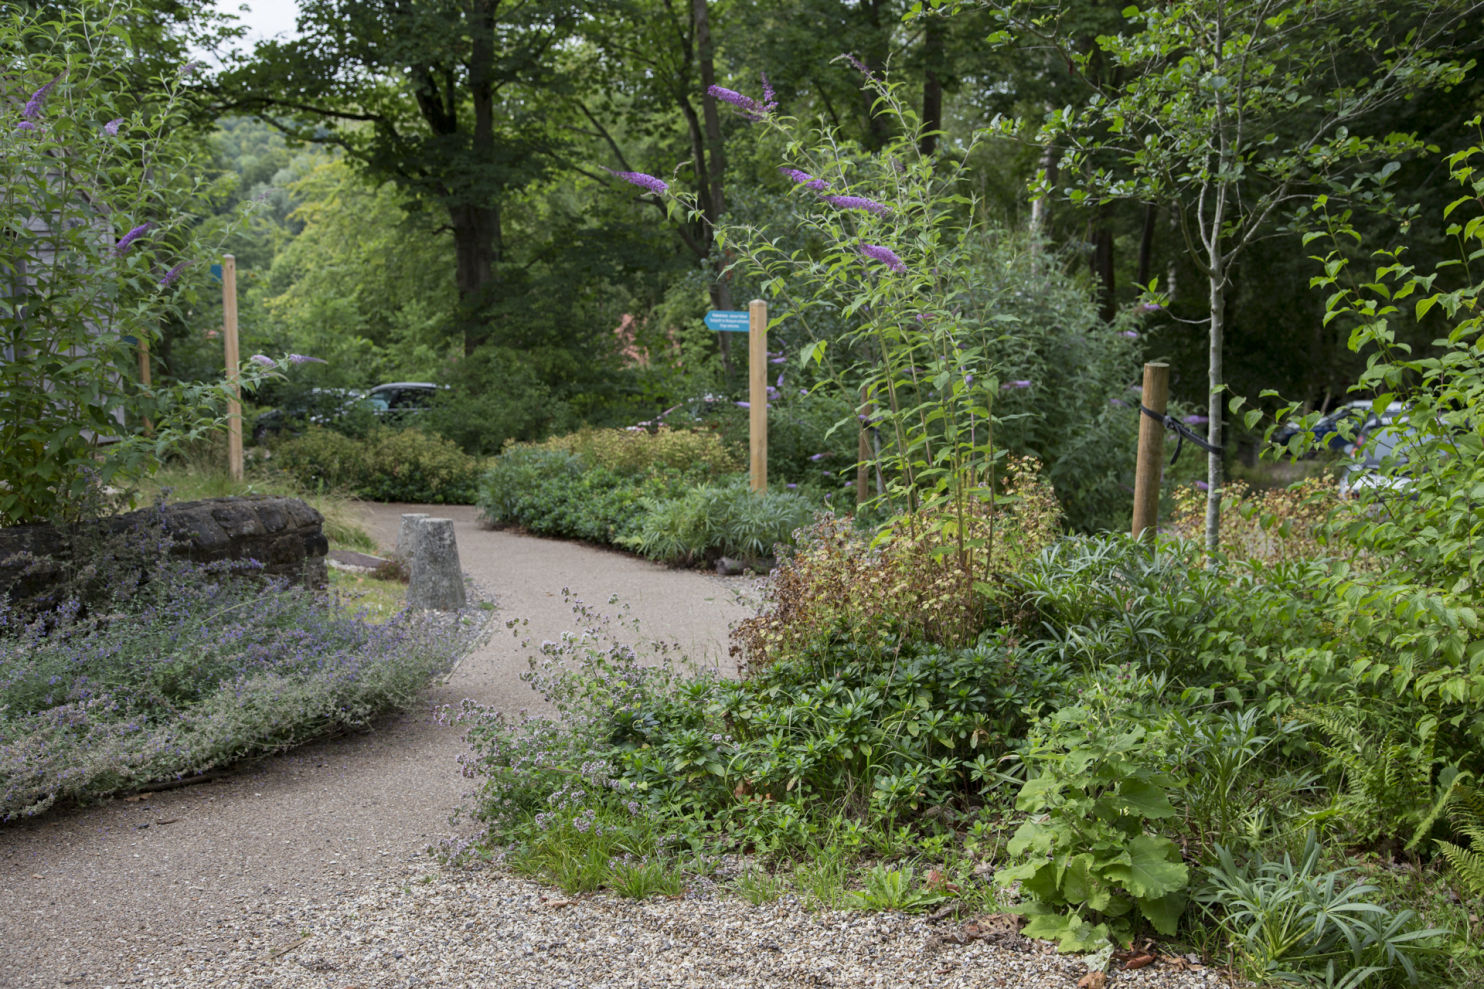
x=263 y=18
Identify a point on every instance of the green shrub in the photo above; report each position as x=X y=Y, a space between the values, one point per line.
x=698 y=454
x=388 y=465
x=494 y=397
x=553 y=492
x=715 y=520
x=1290 y=922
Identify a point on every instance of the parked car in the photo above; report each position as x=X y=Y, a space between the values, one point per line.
x=315 y=407
x=1378 y=457
x=398 y=401
x=1338 y=429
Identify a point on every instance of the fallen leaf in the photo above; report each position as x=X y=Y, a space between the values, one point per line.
x=1092 y=980
x=1138 y=961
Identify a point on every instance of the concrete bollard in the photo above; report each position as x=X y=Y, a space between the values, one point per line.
x=437 y=581
x=404 y=535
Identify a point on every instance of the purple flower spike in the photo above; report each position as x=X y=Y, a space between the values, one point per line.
x=817 y=457
x=779 y=382
x=751 y=108
x=640 y=179
x=1148 y=307
x=112 y=127
x=32 y=109
x=861 y=67
x=129 y=238
x=1195 y=420
x=803 y=178
x=174 y=273
x=857 y=202
x=744 y=405
x=1202 y=486
x=1018 y=383
x=1118 y=403
x=25 y=125
x=263 y=360
x=780 y=359
x=885 y=255
x=1131 y=334
x=306 y=359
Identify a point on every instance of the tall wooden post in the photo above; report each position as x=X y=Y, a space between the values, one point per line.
x=1147 y=474
x=757 y=392
x=229 y=336
x=863 y=453
x=144 y=378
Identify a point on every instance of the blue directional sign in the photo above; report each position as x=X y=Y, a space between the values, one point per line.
x=216 y=272
x=728 y=320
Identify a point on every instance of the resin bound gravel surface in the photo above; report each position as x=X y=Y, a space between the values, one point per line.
x=310 y=869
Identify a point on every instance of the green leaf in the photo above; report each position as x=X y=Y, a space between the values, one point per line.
x=1145 y=799
x=1163 y=912
x=1154 y=870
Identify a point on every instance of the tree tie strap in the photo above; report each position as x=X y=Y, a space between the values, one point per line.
x=1181 y=430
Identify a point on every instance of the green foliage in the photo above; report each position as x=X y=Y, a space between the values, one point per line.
x=1291 y=922
x=699 y=454
x=894 y=889
x=388 y=465
x=495 y=396
x=843 y=588
x=1392 y=785
x=555 y=493
x=1467 y=814
x=1093 y=868
x=714 y=520
x=95 y=223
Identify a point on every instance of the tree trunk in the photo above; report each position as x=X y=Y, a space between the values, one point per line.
x=476 y=242
x=1146 y=246
x=1102 y=268
x=1041 y=207
x=932 y=84
x=1213 y=408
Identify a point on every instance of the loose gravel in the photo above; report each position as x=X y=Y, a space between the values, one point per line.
x=426 y=926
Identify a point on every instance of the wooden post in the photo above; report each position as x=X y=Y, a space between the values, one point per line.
x=229 y=336
x=1147 y=474
x=757 y=392
x=863 y=453
x=144 y=378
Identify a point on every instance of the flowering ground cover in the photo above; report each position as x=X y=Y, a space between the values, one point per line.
x=191 y=669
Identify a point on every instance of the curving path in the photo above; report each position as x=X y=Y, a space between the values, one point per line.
x=100 y=896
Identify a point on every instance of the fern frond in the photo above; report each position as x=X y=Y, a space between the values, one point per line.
x=1467 y=865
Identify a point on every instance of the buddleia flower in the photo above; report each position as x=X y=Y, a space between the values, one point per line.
x=174 y=273
x=642 y=180
x=129 y=238
x=798 y=177
x=263 y=360
x=32 y=109
x=112 y=127
x=857 y=202
x=885 y=255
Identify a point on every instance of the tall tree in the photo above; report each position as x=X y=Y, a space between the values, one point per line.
x=452 y=100
x=1238 y=113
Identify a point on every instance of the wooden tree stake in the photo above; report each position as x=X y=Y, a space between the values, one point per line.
x=757 y=392
x=1155 y=395
x=229 y=336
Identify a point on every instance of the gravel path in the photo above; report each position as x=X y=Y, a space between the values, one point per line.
x=308 y=869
